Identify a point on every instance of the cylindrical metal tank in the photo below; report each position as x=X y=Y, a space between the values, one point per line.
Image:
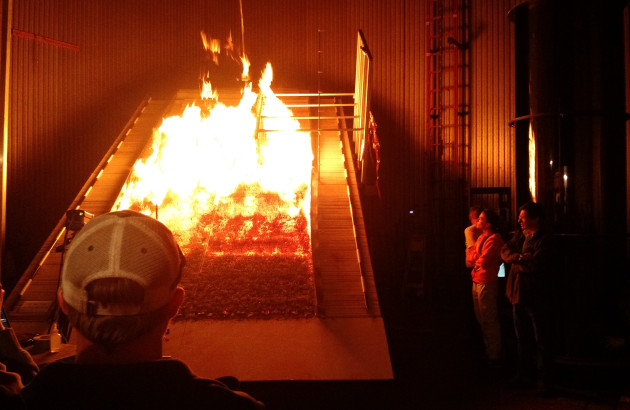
x=570 y=96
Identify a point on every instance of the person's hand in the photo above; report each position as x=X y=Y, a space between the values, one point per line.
x=10 y=382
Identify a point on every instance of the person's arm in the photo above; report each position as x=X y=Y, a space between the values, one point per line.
x=511 y=251
x=13 y=358
x=254 y=403
x=509 y=255
x=10 y=382
x=472 y=254
x=469 y=236
x=537 y=258
x=490 y=252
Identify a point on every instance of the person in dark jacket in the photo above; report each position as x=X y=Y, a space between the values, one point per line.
x=119 y=290
x=529 y=252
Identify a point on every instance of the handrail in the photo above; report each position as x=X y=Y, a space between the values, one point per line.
x=59 y=230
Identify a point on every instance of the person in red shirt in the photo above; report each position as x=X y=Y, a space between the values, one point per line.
x=485 y=257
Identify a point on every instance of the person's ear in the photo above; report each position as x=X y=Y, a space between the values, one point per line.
x=176 y=301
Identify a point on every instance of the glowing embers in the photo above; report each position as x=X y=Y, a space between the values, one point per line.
x=234 y=188
x=248 y=287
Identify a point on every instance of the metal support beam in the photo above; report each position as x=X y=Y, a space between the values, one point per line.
x=5 y=70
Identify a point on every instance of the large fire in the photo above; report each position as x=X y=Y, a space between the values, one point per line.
x=231 y=179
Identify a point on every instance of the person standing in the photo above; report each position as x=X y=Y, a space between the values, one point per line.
x=485 y=257
x=527 y=287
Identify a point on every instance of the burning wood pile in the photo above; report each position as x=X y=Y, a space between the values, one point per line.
x=233 y=184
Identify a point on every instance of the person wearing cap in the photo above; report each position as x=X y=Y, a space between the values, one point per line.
x=119 y=290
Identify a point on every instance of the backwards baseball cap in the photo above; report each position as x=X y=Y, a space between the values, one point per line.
x=124 y=244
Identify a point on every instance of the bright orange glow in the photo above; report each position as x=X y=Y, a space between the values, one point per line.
x=246 y=64
x=532 y=163
x=222 y=175
x=212 y=45
x=207 y=93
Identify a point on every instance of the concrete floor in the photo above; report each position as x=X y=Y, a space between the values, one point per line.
x=268 y=350
x=436 y=362
x=436 y=358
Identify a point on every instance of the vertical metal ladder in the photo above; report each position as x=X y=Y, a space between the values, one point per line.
x=445 y=29
x=444 y=88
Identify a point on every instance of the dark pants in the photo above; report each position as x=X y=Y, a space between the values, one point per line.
x=532 y=335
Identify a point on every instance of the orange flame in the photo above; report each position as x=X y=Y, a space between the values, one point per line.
x=532 y=163
x=226 y=177
x=207 y=93
x=246 y=64
x=213 y=46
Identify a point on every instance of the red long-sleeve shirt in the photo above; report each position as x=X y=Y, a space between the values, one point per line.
x=486 y=257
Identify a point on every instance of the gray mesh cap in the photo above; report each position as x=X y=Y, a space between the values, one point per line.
x=124 y=244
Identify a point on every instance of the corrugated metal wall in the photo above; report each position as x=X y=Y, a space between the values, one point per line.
x=70 y=99
x=492 y=95
x=78 y=70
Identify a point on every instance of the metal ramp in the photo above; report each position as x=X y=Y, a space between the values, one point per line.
x=346 y=295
